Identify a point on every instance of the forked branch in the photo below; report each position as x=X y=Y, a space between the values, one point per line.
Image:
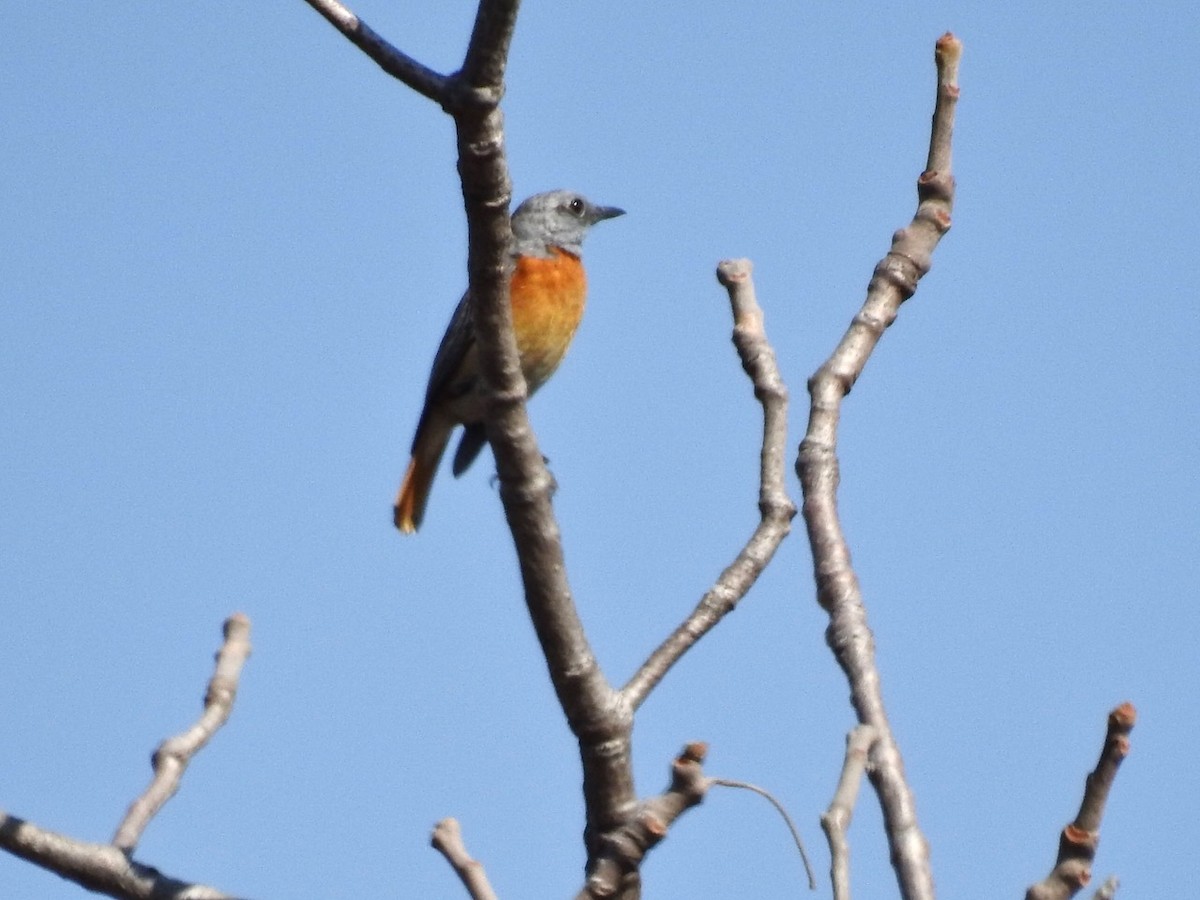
x=109 y=868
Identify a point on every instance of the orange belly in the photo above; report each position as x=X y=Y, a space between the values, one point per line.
x=547 y=305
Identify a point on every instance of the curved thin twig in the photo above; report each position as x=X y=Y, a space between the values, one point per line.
x=776 y=508
x=171 y=758
x=1077 y=844
x=767 y=795
x=849 y=636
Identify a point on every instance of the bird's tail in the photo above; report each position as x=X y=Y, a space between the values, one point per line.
x=414 y=494
x=428 y=447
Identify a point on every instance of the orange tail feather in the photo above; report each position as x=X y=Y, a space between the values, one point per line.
x=414 y=493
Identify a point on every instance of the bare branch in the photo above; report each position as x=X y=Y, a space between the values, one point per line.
x=109 y=869
x=849 y=636
x=775 y=507
x=835 y=821
x=171 y=758
x=600 y=720
x=423 y=80
x=598 y=717
x=615 y=869
x=447 y=840
x=779 y=807
x=98 y=867
x=1077 y=844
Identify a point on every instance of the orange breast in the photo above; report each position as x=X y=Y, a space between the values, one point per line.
x=547 y=304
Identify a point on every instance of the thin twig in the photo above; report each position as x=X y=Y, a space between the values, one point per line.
x=776 y=509
x=835 y=821
x=399 y=65
x=1077 y=844
x=171 y=758
x=762 y=792
x=447 y=840
x=849 y=636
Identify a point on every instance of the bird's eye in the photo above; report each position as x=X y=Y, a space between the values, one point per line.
x=577 y=206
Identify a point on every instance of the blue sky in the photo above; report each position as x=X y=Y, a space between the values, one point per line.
x=231 y=245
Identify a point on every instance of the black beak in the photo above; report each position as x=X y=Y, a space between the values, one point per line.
x=600 y=213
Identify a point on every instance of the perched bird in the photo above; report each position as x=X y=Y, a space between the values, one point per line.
x=547 y=292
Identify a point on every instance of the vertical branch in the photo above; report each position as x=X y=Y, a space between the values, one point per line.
x=601 y=722
x=849 y=636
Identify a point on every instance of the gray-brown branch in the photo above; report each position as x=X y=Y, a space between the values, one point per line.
x=849 y=636
x=1077 y=844
x=776 y=509
x=600 y=717
x=615 y=872
x=600 y=721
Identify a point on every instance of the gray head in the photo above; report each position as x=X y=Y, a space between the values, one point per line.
x=556 y=219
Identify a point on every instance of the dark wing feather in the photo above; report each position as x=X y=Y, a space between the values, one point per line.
x=456 y=342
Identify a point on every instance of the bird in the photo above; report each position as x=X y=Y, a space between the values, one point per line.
x=547 y=291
